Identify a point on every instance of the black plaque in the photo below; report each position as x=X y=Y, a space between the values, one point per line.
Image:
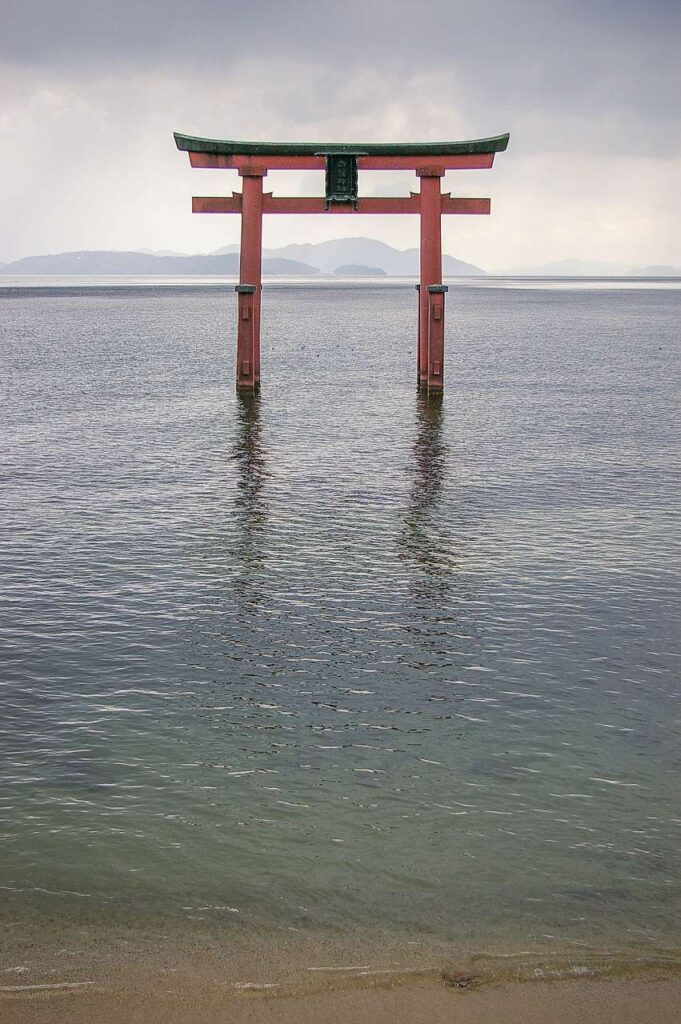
x=341 y=178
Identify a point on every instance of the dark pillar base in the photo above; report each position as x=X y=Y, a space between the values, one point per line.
x=435 y=369
x=247 y=377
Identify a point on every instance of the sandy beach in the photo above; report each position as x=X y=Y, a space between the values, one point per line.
x=565 y=1002
x=81 y=975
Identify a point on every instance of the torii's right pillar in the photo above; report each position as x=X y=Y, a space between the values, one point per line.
x=249 y=288
x=431 y=370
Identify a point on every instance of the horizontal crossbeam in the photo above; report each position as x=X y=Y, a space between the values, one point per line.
x=262 y=164
x=312 y=204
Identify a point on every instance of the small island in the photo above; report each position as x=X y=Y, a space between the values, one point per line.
x=359 y=270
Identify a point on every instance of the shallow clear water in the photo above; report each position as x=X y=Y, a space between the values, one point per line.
x=335 y=656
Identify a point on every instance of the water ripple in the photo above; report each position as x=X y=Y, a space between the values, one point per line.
x=337 y=653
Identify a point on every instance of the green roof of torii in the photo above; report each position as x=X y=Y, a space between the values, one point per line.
x=188 y=143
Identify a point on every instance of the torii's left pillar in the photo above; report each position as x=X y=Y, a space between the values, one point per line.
x=249 y=288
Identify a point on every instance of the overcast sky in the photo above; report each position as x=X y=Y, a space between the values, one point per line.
x=91 y=91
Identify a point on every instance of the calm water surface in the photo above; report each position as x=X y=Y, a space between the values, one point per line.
x=335 y=656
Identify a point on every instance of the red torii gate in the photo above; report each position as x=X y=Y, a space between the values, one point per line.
x=341 y=163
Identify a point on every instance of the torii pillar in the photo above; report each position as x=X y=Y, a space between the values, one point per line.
x=430 y=371
x=249 y=288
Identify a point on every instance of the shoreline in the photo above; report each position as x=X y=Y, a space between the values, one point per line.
x=81 y=974
x=145 y=1000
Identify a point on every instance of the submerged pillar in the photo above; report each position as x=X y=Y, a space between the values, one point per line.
x=436 y=337
x=431 y=256
x=249 y=289
x=418 y=333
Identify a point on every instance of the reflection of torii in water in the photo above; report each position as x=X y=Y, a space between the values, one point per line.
x=250 y=458
x=422 y=540
x=341 y=163
x=427 y=471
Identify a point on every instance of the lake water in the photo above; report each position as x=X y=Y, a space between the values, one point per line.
x=336 y=657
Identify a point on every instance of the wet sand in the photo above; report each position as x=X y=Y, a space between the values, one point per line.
x=52 y=975
x=563 y=1002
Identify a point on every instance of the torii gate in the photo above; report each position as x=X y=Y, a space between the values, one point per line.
x=341 y=163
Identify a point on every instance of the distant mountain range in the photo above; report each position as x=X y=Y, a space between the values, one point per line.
x=133 y=264
x=351 y=257
x=367 y=253
x=341 y=257
x=591 y=268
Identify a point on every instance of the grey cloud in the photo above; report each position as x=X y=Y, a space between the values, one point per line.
x=606 y=71
x=590 y=91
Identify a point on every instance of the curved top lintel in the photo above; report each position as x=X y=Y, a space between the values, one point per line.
x=188 y=143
